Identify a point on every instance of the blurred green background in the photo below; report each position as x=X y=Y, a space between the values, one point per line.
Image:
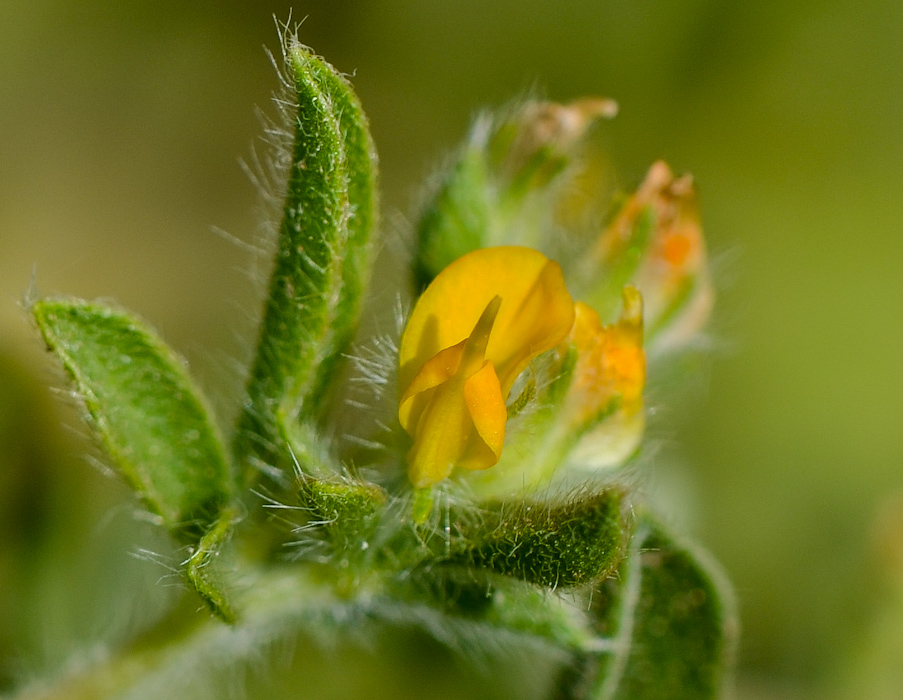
x=121 y=125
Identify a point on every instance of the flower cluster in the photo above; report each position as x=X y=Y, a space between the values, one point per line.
x=495 y=310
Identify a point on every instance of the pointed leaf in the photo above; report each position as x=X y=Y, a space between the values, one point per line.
x=321 y=260
x=149 y=417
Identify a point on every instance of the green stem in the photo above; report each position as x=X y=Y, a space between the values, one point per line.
x=280 y=604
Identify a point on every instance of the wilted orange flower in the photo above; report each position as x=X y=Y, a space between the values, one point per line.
x=611 y=364
x=658 y=231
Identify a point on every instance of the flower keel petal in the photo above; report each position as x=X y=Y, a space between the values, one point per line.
x=486 y=405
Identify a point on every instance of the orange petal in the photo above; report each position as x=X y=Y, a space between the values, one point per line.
x=611 y=364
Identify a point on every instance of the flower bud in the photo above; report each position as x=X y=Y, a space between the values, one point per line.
x=604 y=404
x=655 y=243
x=500 y=188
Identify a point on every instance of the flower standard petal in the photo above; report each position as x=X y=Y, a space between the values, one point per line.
x=447 y=311
x=541 y=319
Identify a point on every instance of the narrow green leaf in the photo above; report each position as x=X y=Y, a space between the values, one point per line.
x=555 y=546
x=668 y=623
x=362 y=212
x=149 y=417
x=321 y=261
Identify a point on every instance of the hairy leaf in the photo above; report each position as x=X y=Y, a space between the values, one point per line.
x=149 y=416
x=321 y=261
x=667 y=623
x=549 y=545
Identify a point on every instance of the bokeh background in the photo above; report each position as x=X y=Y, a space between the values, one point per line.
x=121 y=126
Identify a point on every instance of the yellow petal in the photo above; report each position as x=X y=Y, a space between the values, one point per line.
x=486 y=405
x=533 y=323
x=438 y=407
x=434 y=372
x=441 y=435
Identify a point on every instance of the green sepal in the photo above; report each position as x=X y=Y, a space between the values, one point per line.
x=535 y=445
x=606 y=298
x=555 y=546
x=687 y=287
x=347 y=510
x=666 y=622
x=149 y=417
x=500 y=188
x=456 y=219
x=321 y=261
x=523 y=399
x=535 y=169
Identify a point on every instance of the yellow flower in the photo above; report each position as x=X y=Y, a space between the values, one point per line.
x=473 y=331
x=605 y=399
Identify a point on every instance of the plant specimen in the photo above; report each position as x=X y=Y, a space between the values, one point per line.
x=471 y=476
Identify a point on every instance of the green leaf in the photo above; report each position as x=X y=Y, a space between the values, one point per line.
x=362 y=211
x=149 y=417
x=667 y=624
x=555 y=546
x=321 y=260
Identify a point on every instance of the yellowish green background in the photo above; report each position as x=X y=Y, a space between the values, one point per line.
x=121 y=127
